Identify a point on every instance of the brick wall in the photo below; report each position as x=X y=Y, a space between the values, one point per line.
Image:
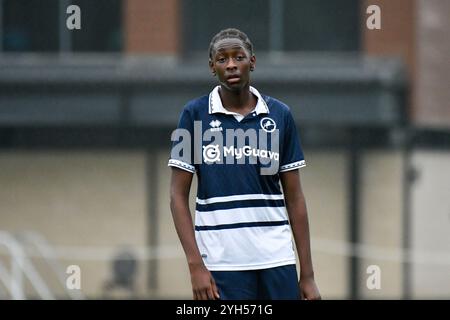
x=152 y=26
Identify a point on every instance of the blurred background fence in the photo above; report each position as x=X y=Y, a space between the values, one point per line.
x=86 y=117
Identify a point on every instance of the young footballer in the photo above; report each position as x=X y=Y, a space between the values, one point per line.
x=241 y=245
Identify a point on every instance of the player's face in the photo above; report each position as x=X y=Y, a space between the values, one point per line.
x=231 y=62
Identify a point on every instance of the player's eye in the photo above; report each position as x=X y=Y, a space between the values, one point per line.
x=221 y=60
x=240 y=58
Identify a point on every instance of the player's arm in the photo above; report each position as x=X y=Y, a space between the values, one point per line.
x=203 y=285
x=298 y=216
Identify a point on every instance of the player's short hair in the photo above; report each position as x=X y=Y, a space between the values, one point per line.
x=231 y=33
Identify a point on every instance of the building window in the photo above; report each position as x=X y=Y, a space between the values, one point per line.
x=203 y=19
x=101 y=26
x=275 y=25
x=29 y=25
x=321 y=25
x=40 y=26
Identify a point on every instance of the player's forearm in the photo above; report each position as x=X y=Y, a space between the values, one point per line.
x=300 y=227
x=181 y=214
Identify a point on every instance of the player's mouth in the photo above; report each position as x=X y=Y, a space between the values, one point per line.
x=233 y=78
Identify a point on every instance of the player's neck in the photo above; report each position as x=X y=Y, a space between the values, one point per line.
x=237 y=101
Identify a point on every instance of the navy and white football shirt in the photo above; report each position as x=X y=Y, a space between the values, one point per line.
x=241 y=222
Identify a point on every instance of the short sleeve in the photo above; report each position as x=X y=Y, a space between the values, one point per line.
x=181 y=155
x=291 y=152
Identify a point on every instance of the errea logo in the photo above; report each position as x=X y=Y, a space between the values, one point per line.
x=215 y=125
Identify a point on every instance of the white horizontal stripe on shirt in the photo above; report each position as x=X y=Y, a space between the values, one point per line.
x=246 y=248
x=241 y=197
x=240 y=215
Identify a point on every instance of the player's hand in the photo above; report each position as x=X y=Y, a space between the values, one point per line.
x=308 y=289
x=203 y=284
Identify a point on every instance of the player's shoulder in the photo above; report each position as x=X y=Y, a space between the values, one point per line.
x=275 y=105
x=199 y=104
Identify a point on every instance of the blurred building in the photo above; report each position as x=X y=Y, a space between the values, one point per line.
x=86 y=117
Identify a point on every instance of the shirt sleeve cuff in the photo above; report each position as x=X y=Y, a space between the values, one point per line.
x=181 y=165
x=293 y=165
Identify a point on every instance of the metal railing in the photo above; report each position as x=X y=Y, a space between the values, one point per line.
x=19 y=249
x=37 y=245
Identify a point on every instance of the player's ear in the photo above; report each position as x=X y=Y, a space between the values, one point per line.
x=252 y=62
x=211 y=67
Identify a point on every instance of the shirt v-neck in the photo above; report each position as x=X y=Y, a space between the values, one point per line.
x=238 y=116
x=215 y=105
